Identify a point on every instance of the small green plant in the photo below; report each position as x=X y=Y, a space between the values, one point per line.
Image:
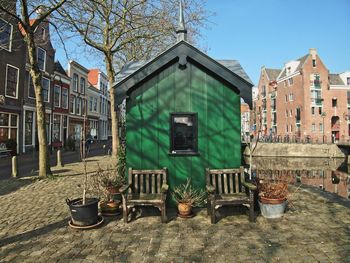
x=185 y=193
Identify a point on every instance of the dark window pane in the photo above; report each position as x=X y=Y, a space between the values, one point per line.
x=184 y=132
x=4 y=119
x=11 y=81
x=13 y=120
x=41 y=59
x=28 y=128
x=46 y=87
x=5 y=34
x=31 y=87
x=4 y=135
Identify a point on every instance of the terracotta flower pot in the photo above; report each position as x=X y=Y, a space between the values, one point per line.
x=265 y=200
x=185 y=209
x=109 y=207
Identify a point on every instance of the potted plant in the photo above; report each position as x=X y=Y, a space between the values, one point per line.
x=187 y=197
x=272 y=198
x=107 y=182
x=84 y=210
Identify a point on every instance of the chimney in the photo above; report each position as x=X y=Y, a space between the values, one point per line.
x=313 y=52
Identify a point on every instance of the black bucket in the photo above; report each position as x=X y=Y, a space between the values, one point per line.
x=84 y=215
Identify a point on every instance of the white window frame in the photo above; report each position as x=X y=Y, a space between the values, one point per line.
x=8 y=65
x=11 y=36
x=72 y=110
x=67 y=100
x=76 y=84
x=37 y=55
x=48 y=92
x=54 y=96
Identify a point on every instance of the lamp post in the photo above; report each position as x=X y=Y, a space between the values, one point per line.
x=323 y=115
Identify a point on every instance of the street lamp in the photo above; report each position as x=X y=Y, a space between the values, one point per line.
x=323 y=115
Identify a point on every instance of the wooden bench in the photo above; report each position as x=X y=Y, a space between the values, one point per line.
x=145 y=188
x=228 y=187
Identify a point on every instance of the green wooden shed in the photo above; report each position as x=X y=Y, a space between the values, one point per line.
x=183 y=112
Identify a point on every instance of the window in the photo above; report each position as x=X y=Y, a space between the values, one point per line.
x=347 y=81
x=78 y=106
x=46 y=89
x=64 y=98
x=95 y=104
x=43 y=33
x=90 y=103
x=83 y=104
x=56 y=127
x=11 y=81
x=82 y=85
x=291 y=96
x=287 y=128
x=320 y=110
x=321 y=127
x=41 y=58
x=72 y=104
x=75 y=82
x=5 y=35
x=8 y=126
x=57 y=96
x=334 y=102
x=183 y=134
x=28 y=137
x=286 y=98
x=314 y=63
x=290 y=81
x=313 y=110
x=313 y=127
x=286 y=113
x=291 y=113
x=31 y=91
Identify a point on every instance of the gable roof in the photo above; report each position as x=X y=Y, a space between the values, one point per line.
x=182 y=52
x=59 y=68
x=334 y=79
x=300 y=66
x=272 y=74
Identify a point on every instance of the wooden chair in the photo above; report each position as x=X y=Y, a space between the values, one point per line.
x=145 y=188
x=228 y=187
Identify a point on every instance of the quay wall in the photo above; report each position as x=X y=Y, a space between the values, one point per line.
x=295 y=150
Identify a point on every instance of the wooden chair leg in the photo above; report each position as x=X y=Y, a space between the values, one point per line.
x=251 y=207
x=212 y=213
x=163 y=213
x=208 y=206
x=125 y=210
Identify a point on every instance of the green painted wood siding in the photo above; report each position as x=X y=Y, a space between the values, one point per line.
x=190 y=90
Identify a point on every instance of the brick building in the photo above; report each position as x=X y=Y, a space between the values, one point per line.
x=303 y=101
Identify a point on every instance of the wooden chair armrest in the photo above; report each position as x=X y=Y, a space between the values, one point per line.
x=124 y=188
x=164 y=188
x=210 y=189
x=250 y=186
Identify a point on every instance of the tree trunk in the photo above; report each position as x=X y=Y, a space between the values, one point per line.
x=114 y=114
x=44 y=164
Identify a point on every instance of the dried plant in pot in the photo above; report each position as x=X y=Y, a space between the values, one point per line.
x=187 y=197
x=272 y=197
x=106 y=183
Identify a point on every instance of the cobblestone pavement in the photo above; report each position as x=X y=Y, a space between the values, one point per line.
x=34 y=228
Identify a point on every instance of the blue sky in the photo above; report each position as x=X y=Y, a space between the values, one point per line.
x=270 y=33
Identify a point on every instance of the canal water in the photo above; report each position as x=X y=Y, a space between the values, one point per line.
x=327 y=174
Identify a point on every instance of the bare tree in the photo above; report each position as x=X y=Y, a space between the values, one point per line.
x=123 y=30
x=31 y=15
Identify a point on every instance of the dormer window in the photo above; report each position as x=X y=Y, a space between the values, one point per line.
x=288 y=70
x=5 y=35
x=314 y=63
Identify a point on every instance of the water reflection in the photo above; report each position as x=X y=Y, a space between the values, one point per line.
x=331 y=175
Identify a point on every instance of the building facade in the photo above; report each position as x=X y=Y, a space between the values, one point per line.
x=77 y=99
x=303 y=101
x=99 y=80
x=12 y=82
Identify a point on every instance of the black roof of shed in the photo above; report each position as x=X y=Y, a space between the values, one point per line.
x=229 y=70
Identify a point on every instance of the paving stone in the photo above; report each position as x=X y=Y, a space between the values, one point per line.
x=316 y=230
